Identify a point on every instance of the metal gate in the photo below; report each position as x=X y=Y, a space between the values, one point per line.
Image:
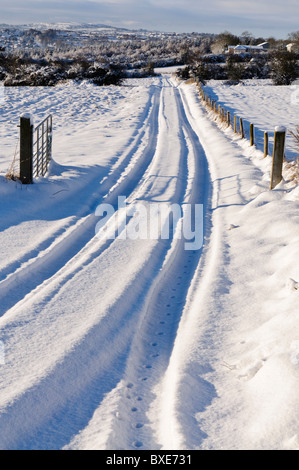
x=35 y=148
x=42 y=147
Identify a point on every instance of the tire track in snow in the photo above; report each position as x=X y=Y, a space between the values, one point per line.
x=137 y=424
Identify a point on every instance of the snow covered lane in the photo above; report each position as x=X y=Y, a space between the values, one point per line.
x=87 y=345
x=137 y=415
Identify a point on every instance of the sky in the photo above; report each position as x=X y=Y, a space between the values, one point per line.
x=260 y=17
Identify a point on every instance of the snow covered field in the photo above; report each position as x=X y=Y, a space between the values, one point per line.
x=139 y=343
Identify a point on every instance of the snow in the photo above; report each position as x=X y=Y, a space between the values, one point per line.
x=29 y=117
x=135 y=342
x=280 y=129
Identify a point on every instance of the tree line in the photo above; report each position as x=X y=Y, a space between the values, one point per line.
x=106 y=62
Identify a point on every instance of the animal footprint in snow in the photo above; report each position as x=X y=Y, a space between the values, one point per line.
x=251 y=371
x=229 y=366
x=137 y=444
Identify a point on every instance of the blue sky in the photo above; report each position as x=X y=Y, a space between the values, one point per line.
x=261 y=18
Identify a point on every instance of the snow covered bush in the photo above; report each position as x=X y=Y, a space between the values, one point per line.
x=283 y=67
x=2 y=73
x=33 y=76
x=16 y=70
x=184 y=74
x=149 y=70
x=234 y=70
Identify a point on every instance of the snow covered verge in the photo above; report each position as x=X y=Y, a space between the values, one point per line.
x=103 y=349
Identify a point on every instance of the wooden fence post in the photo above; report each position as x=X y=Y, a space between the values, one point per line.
x=278 y=154
x=26 y=150
x=266 y=144
x=235 y=124
x=228 y=118
x=251 y=135
x=241 y=128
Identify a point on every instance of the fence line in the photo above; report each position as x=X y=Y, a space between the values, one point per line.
x=224 y=116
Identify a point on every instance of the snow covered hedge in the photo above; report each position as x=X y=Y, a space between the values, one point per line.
x=280 y=66
x=16 y=71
